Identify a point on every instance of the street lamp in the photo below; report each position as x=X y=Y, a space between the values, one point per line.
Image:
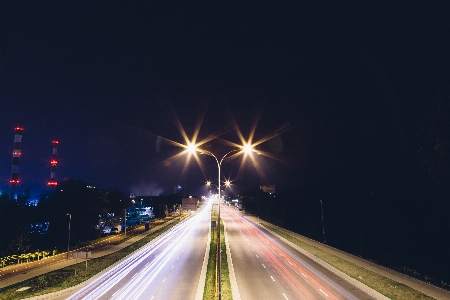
x=68 y=240
x=125 y=220
x=323 y=226
x=246 y=148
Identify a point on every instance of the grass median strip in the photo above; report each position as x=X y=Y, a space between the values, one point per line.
x=388 y=287
x=75 y=274
x=210 y=290
x=226 y=285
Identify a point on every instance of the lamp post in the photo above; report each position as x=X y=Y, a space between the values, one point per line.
x=192 y=148
x=323 y=226
x=68 y=240
x=125 y=221
x=219 y=281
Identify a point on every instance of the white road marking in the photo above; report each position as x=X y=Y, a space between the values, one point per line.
x=164 y=280
x=134 y=275
x=264 y=266
x=290 y=263
x=116 y=292
x=172 y=267
x=304 y=275
x=253 y=250
x=257 y=256
x=272 y=278
x=323 y=292
x=285 y=297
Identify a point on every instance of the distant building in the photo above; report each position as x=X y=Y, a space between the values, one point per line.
x=189 y=203
x=32 y=201
x=268 y=189
x=159 y=204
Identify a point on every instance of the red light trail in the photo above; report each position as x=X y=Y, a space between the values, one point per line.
x=302 y=281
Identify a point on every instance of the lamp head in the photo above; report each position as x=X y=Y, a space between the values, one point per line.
x=247 y=148
x=191 y=148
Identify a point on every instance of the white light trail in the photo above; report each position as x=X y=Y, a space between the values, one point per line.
x=323 y=292
x=145 y=274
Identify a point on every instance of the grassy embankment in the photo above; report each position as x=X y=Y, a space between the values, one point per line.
x=210 y=292
x=71 y=276
x=388 y=287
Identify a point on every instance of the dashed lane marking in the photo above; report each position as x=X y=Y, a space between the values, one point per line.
x=323 y=292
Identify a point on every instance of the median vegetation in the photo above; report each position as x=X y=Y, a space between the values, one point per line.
x=388 y=287
x=73 y=275
x=210 y=291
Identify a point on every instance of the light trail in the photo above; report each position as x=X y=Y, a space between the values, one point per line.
x=145 y=264
x=299 y=276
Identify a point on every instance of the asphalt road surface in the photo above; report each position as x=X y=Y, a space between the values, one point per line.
x=167 y=268
x=268 y=268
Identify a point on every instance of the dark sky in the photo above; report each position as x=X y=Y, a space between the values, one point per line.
x=105 y=78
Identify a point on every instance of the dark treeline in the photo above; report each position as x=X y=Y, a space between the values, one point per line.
x=80 y=199
x=402 y=223
x=396 y=225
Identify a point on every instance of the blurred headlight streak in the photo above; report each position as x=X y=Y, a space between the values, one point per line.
x=138 y=270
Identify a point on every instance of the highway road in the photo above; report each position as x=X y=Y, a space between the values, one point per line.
x=268 y=268
x=167 y=268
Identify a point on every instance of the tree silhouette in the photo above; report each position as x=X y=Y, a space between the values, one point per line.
x=434 y=154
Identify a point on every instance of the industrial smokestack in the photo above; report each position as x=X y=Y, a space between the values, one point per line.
x=53 y=162
x=16 y=160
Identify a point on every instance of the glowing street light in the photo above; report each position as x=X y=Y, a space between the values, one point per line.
x=191 y=148
x=247 y=149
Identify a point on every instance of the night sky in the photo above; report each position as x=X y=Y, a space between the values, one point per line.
x=347 y=80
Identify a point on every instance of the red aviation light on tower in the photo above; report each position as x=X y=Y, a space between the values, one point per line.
x=53 y=162
x=17 y=152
